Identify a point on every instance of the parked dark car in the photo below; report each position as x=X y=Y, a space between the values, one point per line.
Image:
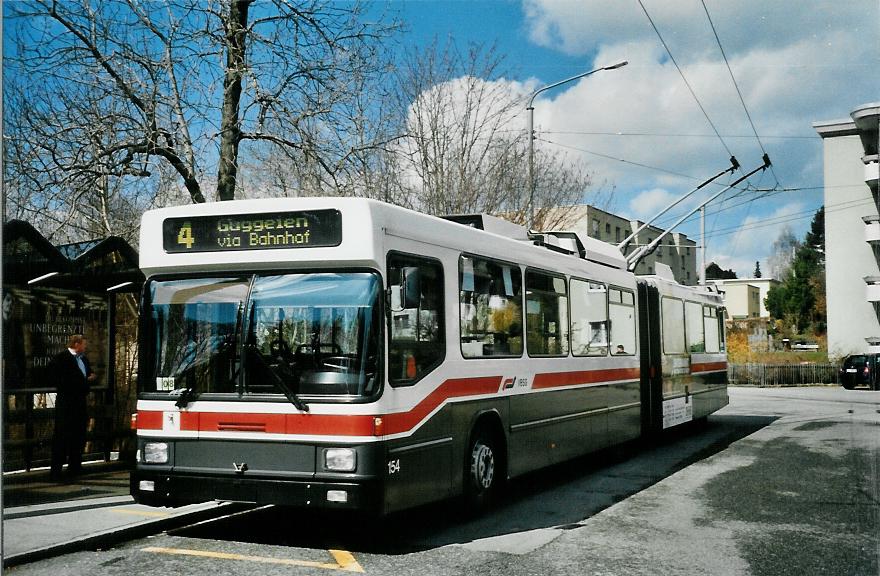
x=860 y=370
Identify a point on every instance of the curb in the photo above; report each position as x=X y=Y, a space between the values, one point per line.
x=66 y=506
x=113 y=536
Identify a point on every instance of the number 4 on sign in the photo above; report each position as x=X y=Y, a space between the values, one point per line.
x=185 y=236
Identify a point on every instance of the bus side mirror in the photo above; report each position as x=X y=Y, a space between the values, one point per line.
x=412 y=289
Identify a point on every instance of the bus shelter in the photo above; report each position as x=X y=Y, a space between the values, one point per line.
x=49 y=293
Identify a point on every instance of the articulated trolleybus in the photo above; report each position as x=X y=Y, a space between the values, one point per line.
x=346 y=353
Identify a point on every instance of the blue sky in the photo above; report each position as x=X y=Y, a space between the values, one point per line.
x=640 y=129
x=794 y=62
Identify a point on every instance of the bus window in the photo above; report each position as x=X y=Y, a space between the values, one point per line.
x=194 y=327
x=313 y=334
x=622 y=317
x=546 y=314
x=672 y=312
x=417 y=342
x=693 y=313
x=711 y=326
x=490 y=308
x=589 y=318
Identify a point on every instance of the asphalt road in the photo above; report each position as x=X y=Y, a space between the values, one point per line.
x=782 y=481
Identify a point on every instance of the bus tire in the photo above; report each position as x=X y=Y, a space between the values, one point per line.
x=483 y=471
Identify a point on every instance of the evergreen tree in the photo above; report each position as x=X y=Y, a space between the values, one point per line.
x=800 y=298
x=757 y=273
x=715 y=272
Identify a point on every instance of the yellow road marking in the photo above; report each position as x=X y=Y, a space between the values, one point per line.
x=344 y=560
x=149 y=513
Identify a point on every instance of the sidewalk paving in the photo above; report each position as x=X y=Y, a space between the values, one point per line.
x=43 y=518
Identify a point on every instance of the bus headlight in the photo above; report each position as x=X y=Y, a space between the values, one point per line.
x=156 y=453
x=340 y=459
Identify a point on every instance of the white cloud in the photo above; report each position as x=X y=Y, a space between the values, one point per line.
x=738 y=245
x=795 y=63
x=576 y=27
x=649 y=203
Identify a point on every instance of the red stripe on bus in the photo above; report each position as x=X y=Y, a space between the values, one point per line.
x=708 y=367
x=406 y=421
x=191 y=421
x=363 y=425
x=557 y=379
x=149 y=420
x=330 y=424
x=226 y=422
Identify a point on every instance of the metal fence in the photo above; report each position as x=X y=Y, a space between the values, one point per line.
x=781 y=374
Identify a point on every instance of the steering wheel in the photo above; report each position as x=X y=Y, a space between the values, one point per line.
x=342 y=363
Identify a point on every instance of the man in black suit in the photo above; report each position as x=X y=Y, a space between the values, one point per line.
x=72 y=375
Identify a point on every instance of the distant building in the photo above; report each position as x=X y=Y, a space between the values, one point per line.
x=852 y=231
x=676 y=250
x=744 y=297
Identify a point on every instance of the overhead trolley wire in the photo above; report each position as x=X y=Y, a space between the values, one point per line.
x=688 y=84
x=735 y=85
x=764 y=222
x=677 y=135
x=616 y=159
x=630 y=162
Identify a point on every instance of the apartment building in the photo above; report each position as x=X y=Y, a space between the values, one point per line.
x=676 y=250
x=852 y=230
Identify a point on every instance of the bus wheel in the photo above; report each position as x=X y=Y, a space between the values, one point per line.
x=481 y=471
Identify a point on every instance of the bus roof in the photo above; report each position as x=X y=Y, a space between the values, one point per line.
x=322 y=231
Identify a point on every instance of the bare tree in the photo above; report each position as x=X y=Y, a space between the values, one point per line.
x=464 y=147
x=112 y=92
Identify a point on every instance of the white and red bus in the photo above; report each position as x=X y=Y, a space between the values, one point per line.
x=347 y=353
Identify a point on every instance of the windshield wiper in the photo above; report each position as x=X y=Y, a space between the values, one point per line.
x=187 y=395
x=290 y=394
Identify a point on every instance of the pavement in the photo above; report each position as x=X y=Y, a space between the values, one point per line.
x=802 y=465
x=44 y=518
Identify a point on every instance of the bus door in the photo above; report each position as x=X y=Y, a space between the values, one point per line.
x=651 y=360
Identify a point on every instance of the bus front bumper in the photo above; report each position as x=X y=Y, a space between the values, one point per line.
x=169 y=489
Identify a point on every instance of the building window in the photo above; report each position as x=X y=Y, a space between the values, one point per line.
x=608 y=230
x=689 y=251
x=617 y=233
x=683 y=266
x=595 y=228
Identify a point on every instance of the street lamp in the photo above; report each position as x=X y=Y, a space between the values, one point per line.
x=531 y=121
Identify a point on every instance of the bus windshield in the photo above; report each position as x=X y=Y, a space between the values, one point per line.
x=291 y=334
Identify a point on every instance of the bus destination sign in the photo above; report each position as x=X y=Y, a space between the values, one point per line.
x=269 y=230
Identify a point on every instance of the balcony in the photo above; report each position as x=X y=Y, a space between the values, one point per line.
x=872 y=171
x=872 y=290
x=873 y=343
x=872 y=228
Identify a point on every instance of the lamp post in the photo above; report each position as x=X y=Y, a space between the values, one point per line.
x=531 y=127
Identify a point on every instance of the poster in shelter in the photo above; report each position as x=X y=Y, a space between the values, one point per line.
x=37 y=323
